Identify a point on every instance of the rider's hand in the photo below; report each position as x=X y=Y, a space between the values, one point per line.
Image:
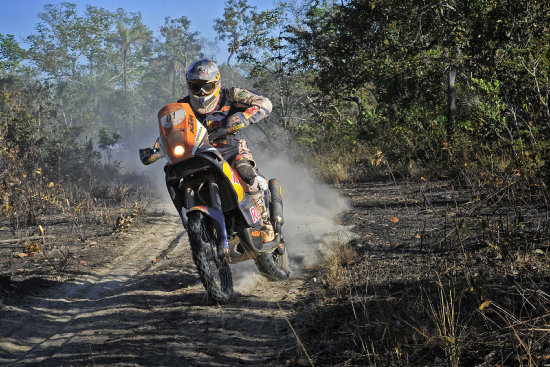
x=235 y=123
x=237 y=120
x=148 y=155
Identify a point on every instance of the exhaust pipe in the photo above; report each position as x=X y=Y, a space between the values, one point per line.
x=276 y=207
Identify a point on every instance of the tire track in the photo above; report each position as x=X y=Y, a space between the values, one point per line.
x=47 y=322
x=148 y=307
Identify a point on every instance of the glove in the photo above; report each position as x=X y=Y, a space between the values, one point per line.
x=238 y=119
x=148 y=155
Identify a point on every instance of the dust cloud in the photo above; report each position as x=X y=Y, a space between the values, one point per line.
x=311 y=209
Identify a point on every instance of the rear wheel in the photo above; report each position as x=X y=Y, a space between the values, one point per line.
x=274 y=266
x=215 y=273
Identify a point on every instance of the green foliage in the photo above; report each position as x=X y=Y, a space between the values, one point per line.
x=11 y=54
x=86 y=70
x=401 y=52
x=487 y=118
x=354 y=77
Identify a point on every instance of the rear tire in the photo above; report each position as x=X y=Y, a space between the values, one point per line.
x=273 y=266
x=215 y=274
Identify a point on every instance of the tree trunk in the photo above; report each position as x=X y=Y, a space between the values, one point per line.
x=451 y=107
x=124 y=81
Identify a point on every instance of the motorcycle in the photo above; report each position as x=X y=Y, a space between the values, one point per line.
x=222 y=222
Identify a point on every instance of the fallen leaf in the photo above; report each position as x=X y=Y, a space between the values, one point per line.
x=21 y=254
x=484 y=305
x=394 y=219
x=32 y=248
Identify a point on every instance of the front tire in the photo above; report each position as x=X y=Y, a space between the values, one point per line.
x=215 y=274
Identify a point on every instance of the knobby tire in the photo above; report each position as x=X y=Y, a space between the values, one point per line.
x=215 y=274
x=273 y=266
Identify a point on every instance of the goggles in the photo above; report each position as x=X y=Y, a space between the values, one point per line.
x=200 y=87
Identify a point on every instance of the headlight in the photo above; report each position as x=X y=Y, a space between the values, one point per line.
x=178 y=151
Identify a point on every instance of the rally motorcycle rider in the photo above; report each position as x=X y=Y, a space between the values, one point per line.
x=217 y=109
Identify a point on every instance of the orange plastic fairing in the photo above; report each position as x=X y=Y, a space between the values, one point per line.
x=180 y=131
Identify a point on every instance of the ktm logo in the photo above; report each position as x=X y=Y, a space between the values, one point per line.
x=255 y=233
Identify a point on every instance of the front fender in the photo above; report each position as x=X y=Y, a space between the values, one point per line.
x=217 y=220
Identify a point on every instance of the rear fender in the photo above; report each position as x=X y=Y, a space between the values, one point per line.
x=217 y=220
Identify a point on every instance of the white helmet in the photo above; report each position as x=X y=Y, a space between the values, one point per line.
x=204 y=85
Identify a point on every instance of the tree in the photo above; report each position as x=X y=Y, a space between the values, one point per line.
x=180 y=47
x=11 y=54
x=131 y=36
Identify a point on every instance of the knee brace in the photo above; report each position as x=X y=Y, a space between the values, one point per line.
x=246 y=171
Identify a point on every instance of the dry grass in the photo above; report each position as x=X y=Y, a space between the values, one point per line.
x=455 y=301
x=336 y=264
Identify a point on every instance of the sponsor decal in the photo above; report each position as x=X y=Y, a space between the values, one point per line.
x=241 y=96
x=201 y=131
x=173 y=118
x=234 y=178
x=254 y=214
x=255 y=233
x=191 y=124
x=249 y=112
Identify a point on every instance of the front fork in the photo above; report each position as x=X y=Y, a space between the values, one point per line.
x=214 y=212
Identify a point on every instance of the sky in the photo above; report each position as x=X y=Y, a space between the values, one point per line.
x=19 y=17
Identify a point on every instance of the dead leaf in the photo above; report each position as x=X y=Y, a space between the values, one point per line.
x=484 y=305
x=21 y=254
x=394 y=219
x=32 y=248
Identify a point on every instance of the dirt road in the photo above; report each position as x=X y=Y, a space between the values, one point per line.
x=134 y=298
x=146 y=307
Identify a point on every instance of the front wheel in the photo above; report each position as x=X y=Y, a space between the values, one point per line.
x=274 y=266
x=215 y=273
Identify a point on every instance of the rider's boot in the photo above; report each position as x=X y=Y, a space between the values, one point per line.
x=267 y=230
